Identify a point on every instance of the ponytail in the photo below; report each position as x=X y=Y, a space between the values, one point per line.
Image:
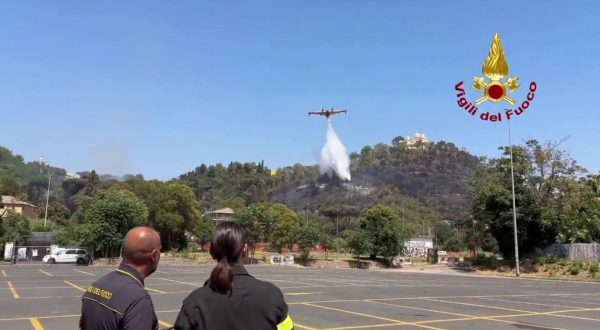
x=226 y=246
x=221 y=277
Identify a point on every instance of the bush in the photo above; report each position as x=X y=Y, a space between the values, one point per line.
x=547 y=259
x=455 y=244
x=485 y=261
x=594 y=268
x=576 y=267
x=552 y=270
x=337 y=244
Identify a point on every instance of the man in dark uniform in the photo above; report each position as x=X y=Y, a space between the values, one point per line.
x=118 y=300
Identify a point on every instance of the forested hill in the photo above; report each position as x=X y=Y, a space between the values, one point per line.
x=427 y=180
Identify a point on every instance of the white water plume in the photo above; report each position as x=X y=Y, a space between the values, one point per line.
x=334 y=157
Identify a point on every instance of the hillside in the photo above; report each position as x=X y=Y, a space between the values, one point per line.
x=435 y=175
x=427 y=181
x=430 y=180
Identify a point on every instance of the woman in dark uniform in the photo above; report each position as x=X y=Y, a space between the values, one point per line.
x=232 y=299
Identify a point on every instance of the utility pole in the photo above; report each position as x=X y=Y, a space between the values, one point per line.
x=307 y=204
x=47 y=196
x=512 y=176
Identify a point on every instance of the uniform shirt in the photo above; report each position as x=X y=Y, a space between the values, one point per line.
x=118 y=301
x=252 y=305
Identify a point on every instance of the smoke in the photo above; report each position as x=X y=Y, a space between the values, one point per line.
x=111 y=157
x=334 y=157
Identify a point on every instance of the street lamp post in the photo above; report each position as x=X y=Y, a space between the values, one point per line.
x=514 y=204
x=47 y=197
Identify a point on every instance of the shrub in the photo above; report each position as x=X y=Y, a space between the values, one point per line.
x=552 y=270
x=455 y=244
x=485 y=261
x=547 y=259
x=337 y=244
x=576 y=267
x=594 y=268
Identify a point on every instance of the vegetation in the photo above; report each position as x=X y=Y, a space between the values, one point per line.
x=433 y=189
x=307 y=238
x=555 y=203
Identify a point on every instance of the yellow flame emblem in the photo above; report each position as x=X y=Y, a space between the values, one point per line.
x=495 y=68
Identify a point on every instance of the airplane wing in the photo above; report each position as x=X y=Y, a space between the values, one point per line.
x=315 y=113
x=338 y=111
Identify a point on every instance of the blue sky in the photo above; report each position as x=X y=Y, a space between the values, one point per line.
x=158 y=87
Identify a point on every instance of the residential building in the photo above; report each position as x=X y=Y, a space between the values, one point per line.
x=18 y=206
x=417 y=141
x=218 y=216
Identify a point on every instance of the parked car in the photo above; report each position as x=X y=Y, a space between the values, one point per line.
x=78 y=256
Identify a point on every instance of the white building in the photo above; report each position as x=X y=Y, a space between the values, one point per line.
x=221 y=215
x=417 y=141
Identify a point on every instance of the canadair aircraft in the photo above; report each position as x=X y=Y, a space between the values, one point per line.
x=327 y=113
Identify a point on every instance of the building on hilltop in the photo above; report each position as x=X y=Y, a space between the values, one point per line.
x=419 y=141
x=218 y=216
x=17 y=206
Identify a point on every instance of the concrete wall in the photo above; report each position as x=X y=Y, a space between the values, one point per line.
x=575 y=251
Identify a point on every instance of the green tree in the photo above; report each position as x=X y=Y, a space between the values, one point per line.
x=173 y=209
x=258 y=221
x=202 y=231
x=286 y=223
x=58 y=214
x=268 y=222
x=16 y=228
x=360 y=243
x=382 y=223
x=106 y=219
x=307 y=238
x=455 y=244
x=545 y=187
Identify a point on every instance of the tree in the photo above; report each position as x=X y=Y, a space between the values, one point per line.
x=382 y=223
x=91 y=186
x=257 y=221
x=58 y=213
x=360 y=243
x=106 y=219
x=286 y=223
x=454 y=243
x=545 y=188
x=327 y=242
x=307 y=238
x=268 y=222
x=16 y=228
x=202 y=231
x=173 y=209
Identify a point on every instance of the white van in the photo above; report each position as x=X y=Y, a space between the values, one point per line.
x=62 y=255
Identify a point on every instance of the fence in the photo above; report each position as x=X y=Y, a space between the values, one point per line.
x=575 y=251
x=25 y=253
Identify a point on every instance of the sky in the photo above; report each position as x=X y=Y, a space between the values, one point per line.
x=159 y=87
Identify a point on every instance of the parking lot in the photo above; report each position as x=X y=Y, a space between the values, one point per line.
x=41 y=296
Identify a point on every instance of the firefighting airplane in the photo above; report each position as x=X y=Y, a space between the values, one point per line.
x=327 y=113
